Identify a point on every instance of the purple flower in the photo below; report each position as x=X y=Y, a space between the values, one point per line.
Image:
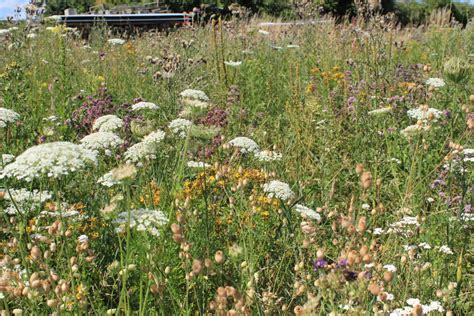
x=342 y=263
x=319 y=263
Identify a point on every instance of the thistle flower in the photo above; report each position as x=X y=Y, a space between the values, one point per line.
x=144 y=106
x=180 y=127
x=141 y=220
x=107 y=123
x=7 y=116
x=53 y=160
x=278 y=189
x=435 y=82
x=307 y=212
x=102 y=141
x=245 y=144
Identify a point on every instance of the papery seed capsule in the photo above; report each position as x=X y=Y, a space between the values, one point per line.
x=52 y=303
x=219 y=257
x=374 y=289
x=35 y=252
x=388 y=276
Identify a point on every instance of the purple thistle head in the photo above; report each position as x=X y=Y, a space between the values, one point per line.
x=319 y=264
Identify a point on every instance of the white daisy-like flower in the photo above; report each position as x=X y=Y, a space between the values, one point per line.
x=233 y=63
x=278 y=189
x=107 y=123
x=245 y=144
x=116 y=41
x=7 y=116
x=141 y=220
x=268 y=155
x=197 y=164
x=390 y=268
x=102 y=141
x=380 y=111
x=435 y=82
x=306 y=212
x=52 y=160
x=180 y=127
x=424 y=114
x=446 y=250
x=144 y=106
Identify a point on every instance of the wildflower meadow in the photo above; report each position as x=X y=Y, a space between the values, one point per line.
x=238 y=168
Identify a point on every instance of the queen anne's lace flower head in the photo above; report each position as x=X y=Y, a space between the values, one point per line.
x=146 y=149
x=194 y=98
x=180 y=127
x=425 y=114
x=102 y=141
x=51 y=159
x=7 y=116
x=107 y=123
x=307 y=212
x=380 y=111
x=245 y=144
x=268 y=155
x=197 y=164
x=116 y=41
x=145 y=106
x=278 y=189
x=435 y=82
x=25 y=200
x=141 y=220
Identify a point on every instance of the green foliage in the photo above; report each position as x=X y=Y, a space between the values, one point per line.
x=58 y=6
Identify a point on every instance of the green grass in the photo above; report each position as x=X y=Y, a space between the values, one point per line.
x=310 y=104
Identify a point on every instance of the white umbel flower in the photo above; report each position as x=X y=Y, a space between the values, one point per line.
x=144 y=106
x=245 y=144
x=116 y=41
x=435 y=82
x=424 y=114
x=194 y=98
x=25 y=200
x=107 y=123
x=413 y=130
x=197 y=164
x=390 y=268
x=7 y=158
x=306 y=212
x=146 y=149
x=102 y=141
x=380 y=111
x=7 y=116
x=278 y=189
x=180 y=127
x=141 y=220
x=268 y=155
x=446 y=250
x=51 y=159
x=234 y=64
x=108 y=180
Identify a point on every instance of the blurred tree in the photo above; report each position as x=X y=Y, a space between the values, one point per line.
x=58 y=6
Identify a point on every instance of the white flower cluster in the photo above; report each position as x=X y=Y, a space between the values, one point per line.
x=233 y=63
x=102 y=141
x=180 y=127
x=433 y=306
x=435 y=82
x=108 y=180
x=194 y=98
x=141 y=220
x=404 y=226
x=446 y=250
x=413 y=130
x=468 y=155
x=278 y=189
x=268 y=155
x=425 y=114
x=146 y=149
x=107 y=123
x=7 y=116
x=197 y=164
x=245 y=144
x=7 y=158
x=380 y=111
x=116 y=41
x=306 y=212
x=51 y=159
x=390 y=268
x=144 y=106
x=25 y=200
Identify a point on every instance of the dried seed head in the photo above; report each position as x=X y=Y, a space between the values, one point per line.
x=219 y=257
x=298 y=310
x=374 y=289
x=196 y=266
x=35 y=253
x=366 y=180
